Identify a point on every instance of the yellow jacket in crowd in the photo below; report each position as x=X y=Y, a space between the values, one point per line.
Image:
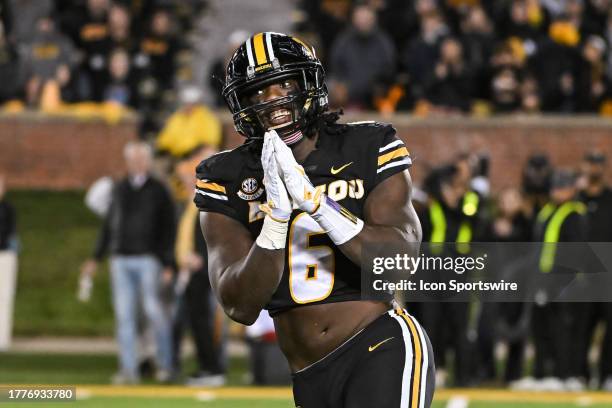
x=189 y=128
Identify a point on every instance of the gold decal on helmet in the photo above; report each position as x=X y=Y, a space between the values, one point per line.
x=260 y=51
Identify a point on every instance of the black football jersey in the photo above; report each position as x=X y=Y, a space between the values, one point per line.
x=347 y=166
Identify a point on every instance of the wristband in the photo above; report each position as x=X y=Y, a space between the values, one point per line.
x=339 y=223
x=273 y=234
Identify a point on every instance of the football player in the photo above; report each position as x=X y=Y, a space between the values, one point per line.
x=286 y=216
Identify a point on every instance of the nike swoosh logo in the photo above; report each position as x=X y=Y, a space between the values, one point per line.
x=374 y=347
x=336 y=171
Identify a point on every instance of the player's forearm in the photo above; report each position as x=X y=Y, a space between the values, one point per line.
x=405 y=239
x=246 y=286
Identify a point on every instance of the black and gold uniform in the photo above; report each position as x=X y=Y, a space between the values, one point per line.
x=388 y=364
x=347 y=165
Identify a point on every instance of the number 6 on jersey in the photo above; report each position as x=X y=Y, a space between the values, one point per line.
x=311 y=267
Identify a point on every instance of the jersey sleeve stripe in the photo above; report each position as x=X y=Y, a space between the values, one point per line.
x=384 y=158
x=216 y=196
x=390 y=145
x=406 y=162
x=211 y=186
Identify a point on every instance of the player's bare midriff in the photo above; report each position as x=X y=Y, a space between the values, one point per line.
x=307 y=334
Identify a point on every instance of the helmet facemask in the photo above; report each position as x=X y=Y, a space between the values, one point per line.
x=254 y=119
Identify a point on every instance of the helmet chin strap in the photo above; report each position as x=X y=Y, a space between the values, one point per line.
x=292 y=138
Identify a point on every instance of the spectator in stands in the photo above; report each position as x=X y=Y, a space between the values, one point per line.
x=422 y=53
x=553 y=65
x=92 y=34
x=525 y=19
x=120 y=88
x=449 y=85
x=139 y=232
x=362 y=59
x=530 y=95
x=49 y=56
x=478 y=39
x=506 y=73
x=328 y=19
x=592 y=83
x=158 y=49
x=92 y=31
x=575 y=12
x=155 y=67
x=11 y=70
x=23 y=16
x=597 y=12
x=190 y=127
x=119 y=28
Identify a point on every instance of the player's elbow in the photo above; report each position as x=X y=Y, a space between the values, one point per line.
x=238 y=309
x=242 y=315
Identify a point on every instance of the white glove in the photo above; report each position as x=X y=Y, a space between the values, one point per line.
x=301 y=190
x=338 y=222
x=278 y=207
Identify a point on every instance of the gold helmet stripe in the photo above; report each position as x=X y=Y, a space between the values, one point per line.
x=260 y=50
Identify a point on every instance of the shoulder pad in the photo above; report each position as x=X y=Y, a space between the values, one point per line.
x=370 y=128
x=223 y=166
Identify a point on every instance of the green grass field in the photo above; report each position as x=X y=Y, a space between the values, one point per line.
x=57 y=232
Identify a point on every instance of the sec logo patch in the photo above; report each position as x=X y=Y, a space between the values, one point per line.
x=249 y=189
x=249 y=186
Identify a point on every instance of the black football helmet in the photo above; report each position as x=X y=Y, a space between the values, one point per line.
x=269 y=58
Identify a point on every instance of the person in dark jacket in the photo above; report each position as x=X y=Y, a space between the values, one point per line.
x=451 y=215
x=597 y=196
x=362 y=58
x=138 y=232
x=554 y=324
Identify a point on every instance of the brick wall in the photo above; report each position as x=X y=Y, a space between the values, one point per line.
x=40 y=152
x=508 y=140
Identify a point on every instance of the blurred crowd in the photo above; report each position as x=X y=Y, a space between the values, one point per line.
x=551 y=206
x=55 y=54
x=465 y=56
x=447 y=57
